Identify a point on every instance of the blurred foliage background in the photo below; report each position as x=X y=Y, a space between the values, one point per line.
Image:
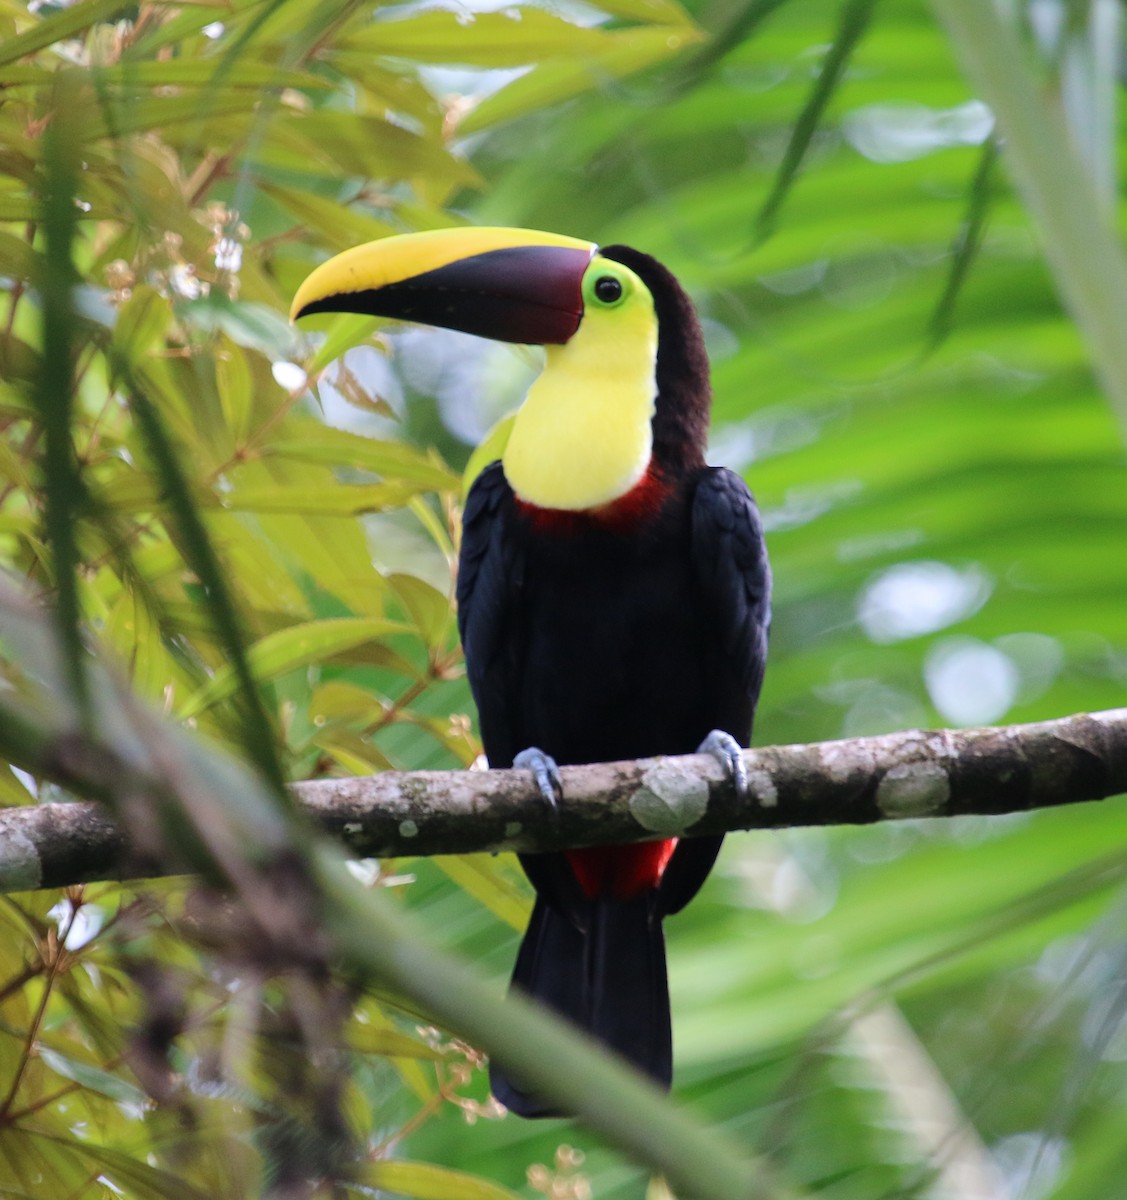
x=919 y=1010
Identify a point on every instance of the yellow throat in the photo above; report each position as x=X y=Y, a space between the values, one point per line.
x=583 y=436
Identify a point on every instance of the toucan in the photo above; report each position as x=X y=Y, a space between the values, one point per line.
x=613 y=589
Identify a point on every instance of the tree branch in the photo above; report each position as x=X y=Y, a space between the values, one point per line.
x=942 y=773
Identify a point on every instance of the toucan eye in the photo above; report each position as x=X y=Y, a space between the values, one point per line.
x=608 y=289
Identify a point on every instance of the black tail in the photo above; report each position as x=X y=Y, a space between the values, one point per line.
x=608 y=977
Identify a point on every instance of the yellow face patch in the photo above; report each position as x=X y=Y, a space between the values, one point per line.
x=583 y=437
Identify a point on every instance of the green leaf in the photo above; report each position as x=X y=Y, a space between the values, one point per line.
x=345 y=330
x=551 y=82
x=342 y=500
x=855 y=18
x=14 y=468
x=114 y=115
x=362 y=145
x=141 y=322
x=60 y=25
x=337 y=701
x=254 y=326
x=430 y=610
x=511 y=38
x=424 y=1181
x=235 y=384
x=205 y=72
x=490 y=449
x=351 y=752
x=297 y=646
x=137 y=1178
x=477 y=875
x=41 y=1166
x=93 y=1078
x=17 y=259
x=394 y=460
x=12 y=790
x=19 y=208
x=656 y=12
x=341 y=225
x=173 y=72
x=389 y=1043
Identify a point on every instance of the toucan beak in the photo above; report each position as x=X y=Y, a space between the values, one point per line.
x=512 y=285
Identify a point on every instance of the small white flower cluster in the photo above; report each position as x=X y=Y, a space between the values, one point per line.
x=169 y=267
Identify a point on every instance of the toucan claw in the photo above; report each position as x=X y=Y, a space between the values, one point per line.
x=544 y=771
x=728 y=753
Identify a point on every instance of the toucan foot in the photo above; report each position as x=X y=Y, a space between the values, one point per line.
x=544 y=771
x=727 y=752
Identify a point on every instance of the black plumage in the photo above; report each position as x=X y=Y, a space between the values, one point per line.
x=629 y=631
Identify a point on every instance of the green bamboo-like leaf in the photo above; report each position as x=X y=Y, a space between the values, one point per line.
x=388 y=89
x=512 y=38
x=430 y=610
x=389 y=1043
x=337 y=701
x=172 y=73
x=723 y=40
x=477 y=875
x=259 y=733
x=343 y=500
x=351 y=752
x=339 y=224
x=855 y=18
x=234 y=382
x=361 y=145
x=623 y=52
x=425 y=1181
x=141 y=322
x=488 y=450
x=377 y=654
x=298 y=646
x=92 y=1078
x=343 y=332
x=13 y=467
x=135 y=633
x=183 y=24
x=137 y=1178
x=12 y=791
x=67 y=23
x=37 y=1166
x=968 y=242
x=415 y=1072
x=114 y=115
x=205 y=72
x=17 y=259
x=19 y=208
x=390 y=459
x=255 y=326
x=655 y=12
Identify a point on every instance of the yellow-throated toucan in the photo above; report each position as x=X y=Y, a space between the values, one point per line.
x=613 y=589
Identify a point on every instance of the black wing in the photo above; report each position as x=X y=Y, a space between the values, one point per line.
x=733 y=582
x=734 y=578
x=491 y=625
x=489 y=585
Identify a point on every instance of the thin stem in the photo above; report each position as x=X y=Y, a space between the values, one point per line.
x=40 y=1012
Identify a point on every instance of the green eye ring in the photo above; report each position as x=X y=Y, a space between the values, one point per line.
x=607 y=284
